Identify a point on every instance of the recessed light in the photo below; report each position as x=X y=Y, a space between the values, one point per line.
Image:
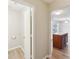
x=58 y=12
x=66 y=21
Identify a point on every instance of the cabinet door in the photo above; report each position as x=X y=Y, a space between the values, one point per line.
x=57 y=41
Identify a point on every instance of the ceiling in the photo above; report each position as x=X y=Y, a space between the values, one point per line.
x=16 y=6
x=48 y=1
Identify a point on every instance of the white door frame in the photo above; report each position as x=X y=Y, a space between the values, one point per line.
x=28 y=18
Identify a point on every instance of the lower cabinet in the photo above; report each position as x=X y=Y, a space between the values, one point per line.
x=59 y=41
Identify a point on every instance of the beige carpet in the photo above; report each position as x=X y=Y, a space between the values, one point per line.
x=16 y=54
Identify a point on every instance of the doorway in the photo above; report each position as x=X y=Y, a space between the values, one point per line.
x=60 y=33
x=20 y=31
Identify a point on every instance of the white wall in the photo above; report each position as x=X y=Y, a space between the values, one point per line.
x=15 y=28
x=64 y=27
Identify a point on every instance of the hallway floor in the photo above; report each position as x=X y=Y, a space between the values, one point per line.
x=60 y=54
x=16 y=54
x=57 y=54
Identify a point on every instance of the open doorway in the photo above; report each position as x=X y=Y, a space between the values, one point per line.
x=60 y=26
x=20 y=31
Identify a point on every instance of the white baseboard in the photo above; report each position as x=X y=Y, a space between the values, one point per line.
x=47 y=56
x=16 y=48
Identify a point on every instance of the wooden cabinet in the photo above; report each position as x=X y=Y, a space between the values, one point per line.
x=59 y=41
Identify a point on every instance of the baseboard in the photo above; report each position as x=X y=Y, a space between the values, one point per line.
x=16 y=48
x=47 y=57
